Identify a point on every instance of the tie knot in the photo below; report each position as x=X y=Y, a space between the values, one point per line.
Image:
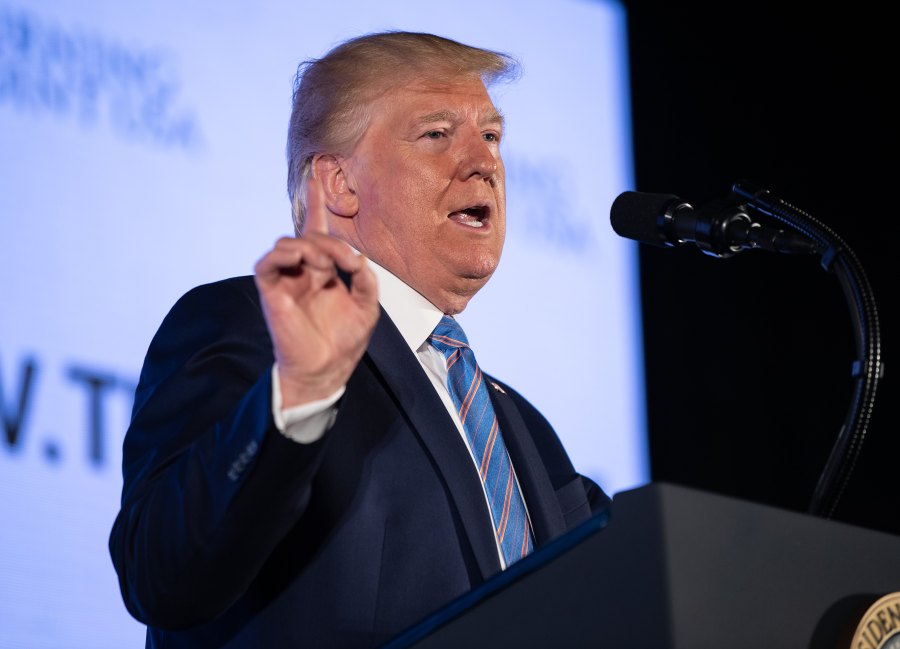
x=448 y=336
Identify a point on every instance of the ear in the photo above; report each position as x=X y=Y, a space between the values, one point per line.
x=340 y=197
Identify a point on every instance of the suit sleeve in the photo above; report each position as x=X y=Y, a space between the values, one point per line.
x=210 y=486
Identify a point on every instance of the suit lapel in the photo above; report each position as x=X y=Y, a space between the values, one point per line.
x=540 y=497
x=430 y=421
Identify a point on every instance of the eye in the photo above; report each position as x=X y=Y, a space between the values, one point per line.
x=434 y=135
x=491 y=137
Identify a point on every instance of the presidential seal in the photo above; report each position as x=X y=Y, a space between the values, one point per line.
x=880 y=626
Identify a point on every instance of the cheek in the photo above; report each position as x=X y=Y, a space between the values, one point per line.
x=500 y=193
x=404 y=210
x=420 y=189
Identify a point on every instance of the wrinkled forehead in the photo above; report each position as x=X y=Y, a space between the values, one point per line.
x=424 y=99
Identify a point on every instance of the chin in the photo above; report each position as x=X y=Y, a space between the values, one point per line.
x=479 y=270
x=479 y=265
x=466 y=278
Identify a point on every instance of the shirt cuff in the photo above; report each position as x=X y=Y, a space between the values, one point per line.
x=305 y=423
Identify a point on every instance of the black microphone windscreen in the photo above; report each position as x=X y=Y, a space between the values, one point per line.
x=638 y=215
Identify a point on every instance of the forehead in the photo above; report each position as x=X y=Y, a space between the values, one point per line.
x=421 y=102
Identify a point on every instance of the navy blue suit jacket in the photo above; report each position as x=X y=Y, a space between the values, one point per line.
x=231 y=535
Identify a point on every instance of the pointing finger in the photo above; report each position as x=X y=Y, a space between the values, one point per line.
x=316 y=212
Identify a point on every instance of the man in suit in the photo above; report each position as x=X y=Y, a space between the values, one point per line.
x=297 y=472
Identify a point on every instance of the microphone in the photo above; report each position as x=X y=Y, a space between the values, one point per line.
x=720 y=229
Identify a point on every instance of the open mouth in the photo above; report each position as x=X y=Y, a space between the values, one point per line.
x=474 y=216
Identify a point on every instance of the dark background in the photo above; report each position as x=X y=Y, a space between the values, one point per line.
x=748 y=359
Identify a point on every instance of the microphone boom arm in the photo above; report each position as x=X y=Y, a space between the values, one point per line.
x=868 y=369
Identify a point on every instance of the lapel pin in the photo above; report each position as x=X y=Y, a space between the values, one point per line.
x=498 y=388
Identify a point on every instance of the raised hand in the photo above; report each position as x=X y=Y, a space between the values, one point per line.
x=319 y=327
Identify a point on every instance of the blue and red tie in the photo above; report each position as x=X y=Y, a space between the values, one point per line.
x=473 y=405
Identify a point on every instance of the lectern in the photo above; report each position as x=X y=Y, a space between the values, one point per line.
x=674 y=567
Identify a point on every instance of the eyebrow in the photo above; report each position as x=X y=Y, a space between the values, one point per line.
x=491 y=117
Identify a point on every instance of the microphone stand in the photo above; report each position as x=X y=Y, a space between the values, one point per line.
x=868 y=368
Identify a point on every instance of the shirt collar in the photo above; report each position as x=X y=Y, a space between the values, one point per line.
x=414 y=316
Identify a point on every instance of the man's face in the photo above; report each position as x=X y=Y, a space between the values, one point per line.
x=431 y=188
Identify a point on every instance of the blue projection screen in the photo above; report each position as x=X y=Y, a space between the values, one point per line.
x=143 y=154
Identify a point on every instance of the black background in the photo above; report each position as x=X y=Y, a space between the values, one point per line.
x=748 y=359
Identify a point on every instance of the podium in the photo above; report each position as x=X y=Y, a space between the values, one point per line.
x=675 y=567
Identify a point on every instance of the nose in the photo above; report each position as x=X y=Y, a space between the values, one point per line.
x=480 y=159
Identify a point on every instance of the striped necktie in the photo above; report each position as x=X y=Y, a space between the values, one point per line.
x=473 y=405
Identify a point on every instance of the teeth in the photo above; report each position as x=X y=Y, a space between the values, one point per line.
x=467 y=219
